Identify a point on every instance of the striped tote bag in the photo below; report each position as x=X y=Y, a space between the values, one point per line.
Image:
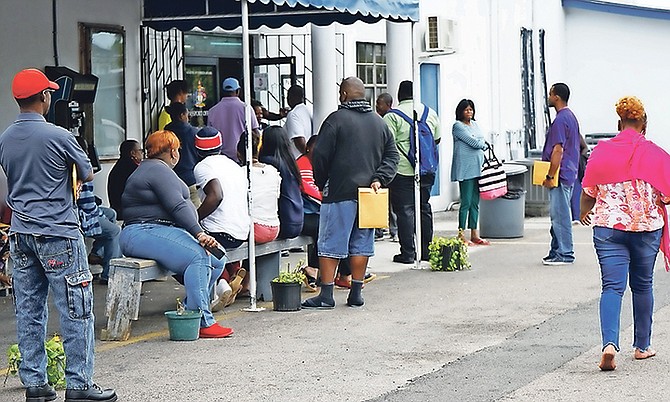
x=493 y=180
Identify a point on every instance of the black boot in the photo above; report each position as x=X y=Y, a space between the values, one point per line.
x=44 y=393
x=92 y=394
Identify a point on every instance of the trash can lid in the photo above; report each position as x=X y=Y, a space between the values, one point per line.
x=512 y=169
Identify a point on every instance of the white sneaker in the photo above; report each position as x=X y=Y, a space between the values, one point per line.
x=222 y=293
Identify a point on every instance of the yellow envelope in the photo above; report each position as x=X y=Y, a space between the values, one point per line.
x=373 y=208
x=75 y=187
x=541 y=170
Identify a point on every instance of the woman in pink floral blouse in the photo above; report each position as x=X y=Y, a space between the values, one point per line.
x=625 y=185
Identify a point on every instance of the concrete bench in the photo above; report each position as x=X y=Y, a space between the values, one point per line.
x=127 y=274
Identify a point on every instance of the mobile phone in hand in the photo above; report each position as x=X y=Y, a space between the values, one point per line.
x=217 y=252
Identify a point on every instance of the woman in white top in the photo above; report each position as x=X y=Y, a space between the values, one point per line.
x=266 y=182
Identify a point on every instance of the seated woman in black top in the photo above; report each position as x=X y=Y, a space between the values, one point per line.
x=130 y=156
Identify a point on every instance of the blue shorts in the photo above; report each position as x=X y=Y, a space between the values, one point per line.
x=339 y=235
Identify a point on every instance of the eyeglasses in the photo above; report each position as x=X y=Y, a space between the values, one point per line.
x=48 y=91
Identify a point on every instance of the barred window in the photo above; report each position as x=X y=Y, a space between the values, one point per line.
x=371 y=68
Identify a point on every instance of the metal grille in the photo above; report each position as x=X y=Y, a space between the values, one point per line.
x=162 y=62
x=433 y=40
x=298 y=46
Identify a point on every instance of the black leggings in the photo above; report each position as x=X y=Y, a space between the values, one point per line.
x=310 y=227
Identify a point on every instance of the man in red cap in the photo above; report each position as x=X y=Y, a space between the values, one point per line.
x=46 y=244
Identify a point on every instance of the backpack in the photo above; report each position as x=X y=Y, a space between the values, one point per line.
x=428 y=152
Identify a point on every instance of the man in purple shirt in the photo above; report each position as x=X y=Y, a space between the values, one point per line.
x=229 y=117
x=561 y=149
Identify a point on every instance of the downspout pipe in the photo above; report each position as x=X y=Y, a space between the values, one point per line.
x=54 y=21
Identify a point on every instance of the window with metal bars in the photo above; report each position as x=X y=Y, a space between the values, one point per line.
x=371 y=68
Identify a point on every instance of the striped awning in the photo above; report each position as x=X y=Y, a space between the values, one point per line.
x=210 y=14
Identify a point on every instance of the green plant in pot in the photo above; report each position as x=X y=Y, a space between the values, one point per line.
x=55 y=361
x=448 y=254
x=286 y=288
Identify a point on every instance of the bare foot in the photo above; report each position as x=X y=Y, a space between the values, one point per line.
x=607 y=360
x=640 y=355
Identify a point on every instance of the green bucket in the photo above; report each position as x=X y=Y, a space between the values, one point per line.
x=184 y=327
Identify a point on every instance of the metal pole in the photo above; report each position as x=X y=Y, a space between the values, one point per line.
x=417 y=178
x=246 y=74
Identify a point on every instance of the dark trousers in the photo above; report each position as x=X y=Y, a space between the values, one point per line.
x=402 y=200
x=310 y=227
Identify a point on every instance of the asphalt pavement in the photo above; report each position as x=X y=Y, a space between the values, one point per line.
x=509 y=329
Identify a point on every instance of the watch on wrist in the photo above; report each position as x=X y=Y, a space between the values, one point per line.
x=549 y=177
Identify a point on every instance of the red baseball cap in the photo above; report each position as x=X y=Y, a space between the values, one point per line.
x=29 y=82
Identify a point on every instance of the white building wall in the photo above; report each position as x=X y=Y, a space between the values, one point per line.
x=610 y=56
x=27 y=42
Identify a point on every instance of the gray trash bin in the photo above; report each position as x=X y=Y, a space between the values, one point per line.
x=502 y=218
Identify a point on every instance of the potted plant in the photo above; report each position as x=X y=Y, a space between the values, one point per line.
x=448 y=254
x=286 y=289
x=55 y=361
x=184 y=325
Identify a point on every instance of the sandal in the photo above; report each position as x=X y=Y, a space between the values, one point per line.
x=480 y=241
x=343 y=283
x=236 y=285
x=310 y=281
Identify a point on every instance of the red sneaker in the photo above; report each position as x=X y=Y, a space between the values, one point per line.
x=215 y=331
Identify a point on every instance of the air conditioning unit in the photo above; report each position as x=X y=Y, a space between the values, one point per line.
x=440 y=34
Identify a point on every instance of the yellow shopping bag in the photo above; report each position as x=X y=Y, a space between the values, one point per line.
x=373 y=208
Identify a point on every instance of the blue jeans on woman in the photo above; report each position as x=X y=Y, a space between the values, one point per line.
x=176 y=250
x=626 y=256
x=108 y=240
x=59 y=263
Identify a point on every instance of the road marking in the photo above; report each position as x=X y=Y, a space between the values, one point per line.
x=163 y=333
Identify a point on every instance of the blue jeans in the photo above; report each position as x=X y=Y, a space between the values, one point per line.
x=626 y=255
x=176 y=250
x=561 y=223
x=41 y=262
x=339 y=234
x=108 y=240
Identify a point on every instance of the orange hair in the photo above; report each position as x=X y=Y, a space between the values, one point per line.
x=159 y=142
x=630 y=108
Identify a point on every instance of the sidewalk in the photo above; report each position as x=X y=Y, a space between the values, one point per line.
x=414 y=323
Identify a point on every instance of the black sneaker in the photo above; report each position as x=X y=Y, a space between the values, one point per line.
x=557 y=261
x=44 y=393
x=93 y=394
x=403 y=259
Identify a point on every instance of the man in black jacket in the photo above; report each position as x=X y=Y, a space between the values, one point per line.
x=355 y=149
